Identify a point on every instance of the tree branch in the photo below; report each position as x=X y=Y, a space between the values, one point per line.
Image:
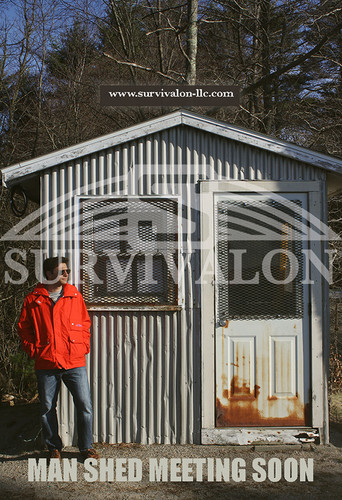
x=293 y=64
x=138 y=66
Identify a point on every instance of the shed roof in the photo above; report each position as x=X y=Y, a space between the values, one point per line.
x=12 y=174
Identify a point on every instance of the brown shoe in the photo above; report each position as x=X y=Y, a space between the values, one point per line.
x=55 y=454
x=91 y=453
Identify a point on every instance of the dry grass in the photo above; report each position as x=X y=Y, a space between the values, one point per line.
x=335 y=358
x=335 y=403
x=335 y=365
x=335 y=361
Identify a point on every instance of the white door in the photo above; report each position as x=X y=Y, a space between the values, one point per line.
x=261 y=303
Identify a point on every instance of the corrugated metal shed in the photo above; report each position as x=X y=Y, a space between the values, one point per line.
x=145 y=363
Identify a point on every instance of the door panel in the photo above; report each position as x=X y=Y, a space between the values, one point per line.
x=283 y=376
x=262 y=376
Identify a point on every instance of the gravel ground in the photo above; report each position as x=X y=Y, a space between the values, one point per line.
x=327 y=479
x=16 y=450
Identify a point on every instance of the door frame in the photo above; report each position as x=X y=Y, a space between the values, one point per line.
x=317 y=322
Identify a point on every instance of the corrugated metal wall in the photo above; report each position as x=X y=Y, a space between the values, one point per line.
x=145 y=365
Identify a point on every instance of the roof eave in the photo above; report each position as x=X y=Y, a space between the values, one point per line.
x=11 y=174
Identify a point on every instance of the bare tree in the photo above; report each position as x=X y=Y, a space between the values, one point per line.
x=191 y=39
x=156 y=37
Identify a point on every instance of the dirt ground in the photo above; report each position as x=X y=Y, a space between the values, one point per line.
x=20 y=441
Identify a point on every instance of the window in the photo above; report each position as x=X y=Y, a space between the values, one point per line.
x=260 y=219
x=130 y=251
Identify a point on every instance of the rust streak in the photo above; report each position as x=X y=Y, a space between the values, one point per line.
x=224 y=380
x=242 y=391
x=236 y=388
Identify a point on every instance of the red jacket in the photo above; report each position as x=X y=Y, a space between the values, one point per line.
x=55 y=336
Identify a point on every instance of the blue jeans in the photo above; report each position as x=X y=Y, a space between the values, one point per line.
x=49 y=384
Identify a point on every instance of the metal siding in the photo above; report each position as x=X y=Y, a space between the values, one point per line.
x=145 y=366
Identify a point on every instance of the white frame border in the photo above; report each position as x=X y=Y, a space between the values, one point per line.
x=107 y=307
x=318 y=377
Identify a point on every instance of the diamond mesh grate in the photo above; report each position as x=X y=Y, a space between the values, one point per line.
x=259 y=260
x=130 y=251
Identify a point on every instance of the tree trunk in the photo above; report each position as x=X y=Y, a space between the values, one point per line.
x=190 y=73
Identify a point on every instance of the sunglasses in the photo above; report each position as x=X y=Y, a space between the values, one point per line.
x=67 y=271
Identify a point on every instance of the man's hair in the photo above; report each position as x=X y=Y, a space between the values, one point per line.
x=52 y=262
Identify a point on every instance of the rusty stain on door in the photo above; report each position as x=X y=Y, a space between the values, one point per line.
x=258 y=385
x=246 y=413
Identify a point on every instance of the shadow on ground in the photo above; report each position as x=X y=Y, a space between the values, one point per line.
x=21 y=430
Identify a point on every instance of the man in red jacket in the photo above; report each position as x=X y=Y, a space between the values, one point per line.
x=54 y=330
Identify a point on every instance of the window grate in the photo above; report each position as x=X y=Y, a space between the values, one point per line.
x=259 y=260
x=130 y=251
